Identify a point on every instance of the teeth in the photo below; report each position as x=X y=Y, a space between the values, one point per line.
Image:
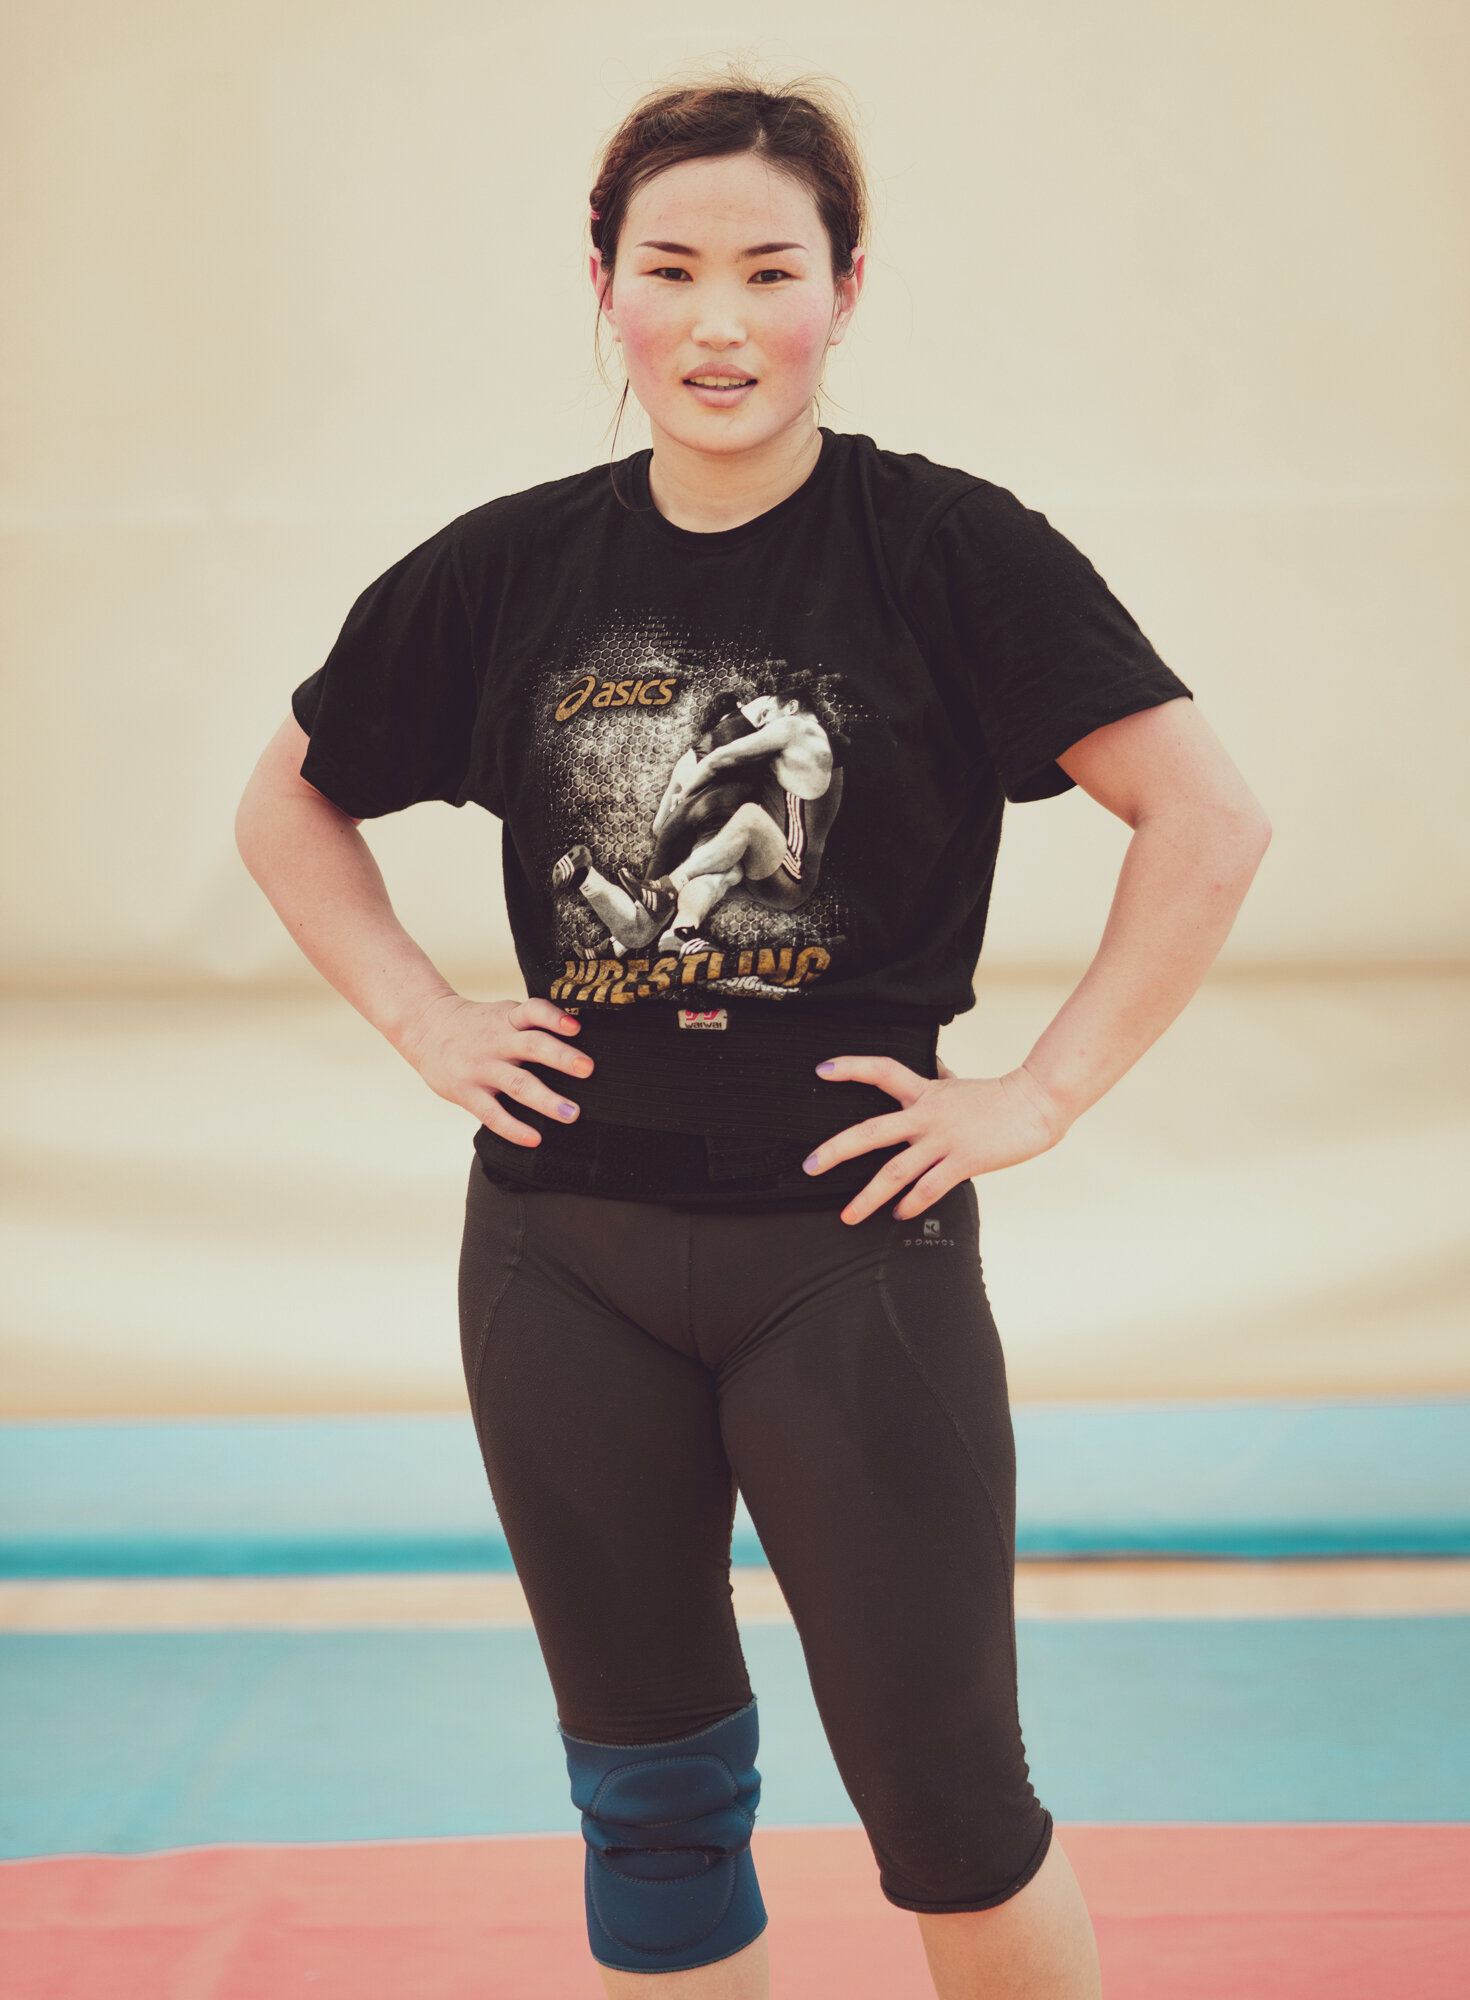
x=718 y=381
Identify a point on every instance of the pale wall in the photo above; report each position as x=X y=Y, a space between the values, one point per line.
x=299 y=283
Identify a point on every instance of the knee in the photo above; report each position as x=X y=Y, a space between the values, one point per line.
x=959 y=1861
x=953 y=1827
x=669 y=1880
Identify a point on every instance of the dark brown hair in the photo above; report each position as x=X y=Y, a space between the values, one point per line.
x=799 y=128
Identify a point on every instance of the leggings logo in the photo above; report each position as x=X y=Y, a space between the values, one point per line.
x=931 y=1238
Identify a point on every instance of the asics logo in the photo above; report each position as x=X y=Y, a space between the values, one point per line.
x=655 y=693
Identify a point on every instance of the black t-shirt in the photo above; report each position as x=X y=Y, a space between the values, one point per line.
x=765 y=764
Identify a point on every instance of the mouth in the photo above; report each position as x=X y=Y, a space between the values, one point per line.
x=719 y=385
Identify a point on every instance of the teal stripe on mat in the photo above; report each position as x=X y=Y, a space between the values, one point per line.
x=123 y=1744
x=1281 y=1478
x=295 y=1495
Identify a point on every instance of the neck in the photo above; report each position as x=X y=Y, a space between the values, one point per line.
x=708 y=491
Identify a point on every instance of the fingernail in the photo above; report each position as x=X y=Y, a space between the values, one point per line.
x=584 y=1065
x=809 y=1164
x=567 y=1110
x=567 y=1024
x=826 y=1068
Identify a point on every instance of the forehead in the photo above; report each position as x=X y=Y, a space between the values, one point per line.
x=732 y=202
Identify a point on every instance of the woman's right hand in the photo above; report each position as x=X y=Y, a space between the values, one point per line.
x=471 y=1051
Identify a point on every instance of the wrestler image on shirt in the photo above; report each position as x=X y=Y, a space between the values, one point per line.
x=748 y=805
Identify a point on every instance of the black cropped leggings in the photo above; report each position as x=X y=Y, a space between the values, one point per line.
x=630 y=1365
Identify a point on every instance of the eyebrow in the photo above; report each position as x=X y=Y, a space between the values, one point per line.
x=759 y=250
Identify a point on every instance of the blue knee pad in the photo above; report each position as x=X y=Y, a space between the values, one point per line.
x=670 y=1882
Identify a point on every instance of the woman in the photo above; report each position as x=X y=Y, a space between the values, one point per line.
x=721 y=1229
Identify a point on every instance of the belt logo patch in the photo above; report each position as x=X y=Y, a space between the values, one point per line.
x=704 y=1017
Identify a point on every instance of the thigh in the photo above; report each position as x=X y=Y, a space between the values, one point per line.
x=603 y=1451
x=870 y=1431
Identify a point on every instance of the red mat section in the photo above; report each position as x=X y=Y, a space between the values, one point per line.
x=1183 y=1913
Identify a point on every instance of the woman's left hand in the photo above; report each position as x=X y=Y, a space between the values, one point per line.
x=955 y=1126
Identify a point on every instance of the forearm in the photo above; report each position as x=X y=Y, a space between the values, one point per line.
x=763 y=742
x=321 y=879
x=1183 y=879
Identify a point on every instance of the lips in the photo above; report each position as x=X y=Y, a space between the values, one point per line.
x=712 y=379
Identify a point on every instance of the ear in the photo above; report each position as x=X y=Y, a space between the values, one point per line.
x=848 y=290
x=602 y=286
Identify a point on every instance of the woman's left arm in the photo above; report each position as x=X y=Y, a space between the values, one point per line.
x=1198 y=837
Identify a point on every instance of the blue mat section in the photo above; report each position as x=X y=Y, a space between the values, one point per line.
x=264 y=1496
x=123 y=1744
x=293 y=1495
x=1244 y=1479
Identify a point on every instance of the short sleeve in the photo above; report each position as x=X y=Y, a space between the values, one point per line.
x=391 y=711
x=1033 y=635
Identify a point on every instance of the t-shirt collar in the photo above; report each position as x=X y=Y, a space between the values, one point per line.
x=719 y=540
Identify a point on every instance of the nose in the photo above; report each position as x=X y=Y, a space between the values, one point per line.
x=719 y=321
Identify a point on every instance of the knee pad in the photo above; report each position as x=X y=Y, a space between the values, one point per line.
x=669 y=1878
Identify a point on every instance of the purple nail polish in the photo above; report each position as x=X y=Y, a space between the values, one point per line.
x=826 y=1068
x=567 y=1110
x=809 y=1164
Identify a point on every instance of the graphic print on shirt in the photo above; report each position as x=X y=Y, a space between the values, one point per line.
x=697 y=794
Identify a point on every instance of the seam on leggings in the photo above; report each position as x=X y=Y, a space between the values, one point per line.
x=689 y=1284
x=1007 y=1554
x=487 y=1321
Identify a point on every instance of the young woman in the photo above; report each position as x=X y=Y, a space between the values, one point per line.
x=749 y=705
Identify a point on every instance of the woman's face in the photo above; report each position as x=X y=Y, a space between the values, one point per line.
x=724 y=303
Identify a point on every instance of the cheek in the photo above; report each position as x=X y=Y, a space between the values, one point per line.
x=796 y=337
x=650 y=325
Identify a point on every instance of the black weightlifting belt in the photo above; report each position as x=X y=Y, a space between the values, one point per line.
x=704 y=1116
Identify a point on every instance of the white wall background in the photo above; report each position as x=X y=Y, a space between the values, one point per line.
x=294 y=284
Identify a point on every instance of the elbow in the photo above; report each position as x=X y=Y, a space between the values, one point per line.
x=1255 y=831
x=1248 y=829
x=1225 y=838
x=258 y=823
x=248 y=832
x=1238 y=840
x=245 y=821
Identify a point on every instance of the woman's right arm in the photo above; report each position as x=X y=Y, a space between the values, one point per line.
x=320 y=877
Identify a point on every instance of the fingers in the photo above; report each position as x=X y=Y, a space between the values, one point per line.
x=488 y=1102
x=885 y=1130
x=486 y=1106
x=543 y=1014
x=887 y=1074
x=890 y=1177
x=508 y=1079
x=929 y=1188
x=477 y=1062
x=551 y=1054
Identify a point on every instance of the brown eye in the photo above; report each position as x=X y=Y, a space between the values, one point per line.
x=760 y=277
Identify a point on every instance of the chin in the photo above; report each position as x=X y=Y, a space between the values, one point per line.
x=723 y=434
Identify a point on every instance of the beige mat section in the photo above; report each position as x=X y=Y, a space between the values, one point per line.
x=251 y=1204
x=1408 y=1588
